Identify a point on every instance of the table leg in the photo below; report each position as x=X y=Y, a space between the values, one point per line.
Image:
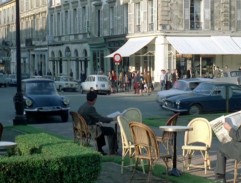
x=174 y=170
x=116 y=140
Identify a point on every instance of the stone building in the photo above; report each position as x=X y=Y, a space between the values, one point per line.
x=82 y=32
x=183 y=34
x=84 y=35
x=34 y=50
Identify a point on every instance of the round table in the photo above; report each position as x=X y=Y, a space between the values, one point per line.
x=7 y=145
x=175 y=129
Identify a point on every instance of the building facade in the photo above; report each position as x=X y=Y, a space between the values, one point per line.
x=33 y=18
x=82 y=32
x=182 y=34
x=84 y=35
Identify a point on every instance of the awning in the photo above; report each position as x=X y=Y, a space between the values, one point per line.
x=132 y=46
x=212 y=45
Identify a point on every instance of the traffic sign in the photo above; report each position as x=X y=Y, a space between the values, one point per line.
x=117 y=58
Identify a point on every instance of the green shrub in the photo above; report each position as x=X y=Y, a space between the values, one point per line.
x=45 y=158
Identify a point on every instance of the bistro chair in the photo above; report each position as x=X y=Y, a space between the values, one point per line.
x=166 y=140
x=146 y=147
x=82 y=134
x=197 y=141
x=132 y=114
x=235 y=175
x=127 y=143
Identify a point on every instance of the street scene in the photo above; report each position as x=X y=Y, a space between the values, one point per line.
x=67 y=67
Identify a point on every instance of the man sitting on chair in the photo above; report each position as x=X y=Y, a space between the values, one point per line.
x=92 y=117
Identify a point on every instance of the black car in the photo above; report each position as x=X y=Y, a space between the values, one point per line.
x=41 y=97
x=205 y=98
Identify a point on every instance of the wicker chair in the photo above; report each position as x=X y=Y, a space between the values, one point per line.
x=82 y=133
x=132 y=114
x=235 y=175
x=127 y=143
x=146 y=147
x=166 y=140
x=198 y=141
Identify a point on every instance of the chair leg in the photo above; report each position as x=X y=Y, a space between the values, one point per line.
x=235 y=171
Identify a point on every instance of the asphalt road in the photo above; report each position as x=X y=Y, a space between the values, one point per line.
x=105 y=104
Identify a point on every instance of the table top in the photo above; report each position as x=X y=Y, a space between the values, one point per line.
x=175 y=128
x=7 y=144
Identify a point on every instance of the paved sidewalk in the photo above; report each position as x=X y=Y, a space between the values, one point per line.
x=65 y=129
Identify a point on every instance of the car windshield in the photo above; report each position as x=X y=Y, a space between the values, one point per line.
x=102 y=79
x=36 y=88
x=205 y=88
x=180 y=85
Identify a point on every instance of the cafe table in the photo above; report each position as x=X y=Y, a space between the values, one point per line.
x=174 y=129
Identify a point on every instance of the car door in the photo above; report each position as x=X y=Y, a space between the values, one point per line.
x=214 y=101
x=235 y=99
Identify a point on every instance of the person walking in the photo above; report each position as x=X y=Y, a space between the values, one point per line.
x=92 y=117
x=168 y=78
x=162 y=79
x=148 y=81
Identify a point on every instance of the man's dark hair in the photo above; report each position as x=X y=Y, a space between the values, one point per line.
x=91 y=96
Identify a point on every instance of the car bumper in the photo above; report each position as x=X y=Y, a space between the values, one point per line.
x=174 y=110
x=47 y=109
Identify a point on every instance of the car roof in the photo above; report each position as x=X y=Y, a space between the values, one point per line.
x=195 y=79
x=219 y=82
x=37 y=79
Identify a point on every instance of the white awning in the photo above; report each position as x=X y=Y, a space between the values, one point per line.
x=214 y=45
x=227 y=45
x=132 y=46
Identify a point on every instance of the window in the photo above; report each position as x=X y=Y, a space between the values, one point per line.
x=75 y=20
x=150 y=16
x=112 y=19
x=137 y=17
x=66 y=22
x=98 y=23
x=84 y=21
x=196 y=14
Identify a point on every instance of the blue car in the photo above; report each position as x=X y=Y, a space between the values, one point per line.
x=207 y=97
x=41 y=97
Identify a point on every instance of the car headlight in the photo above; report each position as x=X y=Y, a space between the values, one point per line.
x=28 y=102
x=66 y=101
x=178 y=102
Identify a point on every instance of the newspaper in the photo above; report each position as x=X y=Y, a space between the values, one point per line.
x=233 y=119
x=114 y=114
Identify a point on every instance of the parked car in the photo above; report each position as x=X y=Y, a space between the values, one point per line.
x=3 y=80
x=41 y=97
x=99 y=83
x=180 y=86
x=11 y=79
x=66 y=83
x=230 y=77
x=206 y=97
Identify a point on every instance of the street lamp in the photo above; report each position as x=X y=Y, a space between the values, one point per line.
x=18 y=98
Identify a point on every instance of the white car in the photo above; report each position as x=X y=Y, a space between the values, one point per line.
x=3 y=80
x=230 y=77
x=66 y=83
x=181 y=86
x=99 y=83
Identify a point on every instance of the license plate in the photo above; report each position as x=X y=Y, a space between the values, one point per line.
x=102 y=85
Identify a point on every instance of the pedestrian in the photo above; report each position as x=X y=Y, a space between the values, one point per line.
x=174 y=76
x=229 y=150
x=92 y=117
x=149 y=85
x=168 y=79
x=71 y=74
x=113 y=81
x=162 y=79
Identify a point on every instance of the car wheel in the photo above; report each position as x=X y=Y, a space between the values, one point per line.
x=195 y=109
x=64 y=116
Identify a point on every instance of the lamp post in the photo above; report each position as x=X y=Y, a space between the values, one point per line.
x=18 y=98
